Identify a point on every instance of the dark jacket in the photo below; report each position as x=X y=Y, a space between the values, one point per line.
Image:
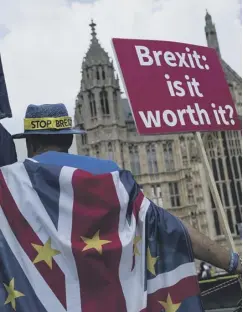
x=7 y=148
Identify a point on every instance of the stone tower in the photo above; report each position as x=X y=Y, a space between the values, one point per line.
x=233 y=79
x=98 y=108
x=211 y=34
x=224 y=149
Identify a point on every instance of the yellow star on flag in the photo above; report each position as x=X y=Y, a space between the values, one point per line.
x=135 y=247
x=94 y=242
x=169 y=306
x=45 y=253
x=12 y=294
x=151 y=261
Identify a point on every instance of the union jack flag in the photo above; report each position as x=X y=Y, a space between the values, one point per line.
x=72 y=242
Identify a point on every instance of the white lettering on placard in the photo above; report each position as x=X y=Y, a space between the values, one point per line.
x=173 y=59
x=156 y=56
x=169 y=118
x=182 y=59
x=196 y=115
x=170 y=58
x=177 y=88
x=193 y=114
x=202 y=115
x=190 y=58
x=143 y=55
x=216 y=115
x=150 y=120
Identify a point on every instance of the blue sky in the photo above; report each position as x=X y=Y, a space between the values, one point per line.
x=42 y=42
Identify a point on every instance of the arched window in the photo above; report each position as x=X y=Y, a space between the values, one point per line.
x=104 y=102
x=110 y=151
x=115 y=97
x=152 y=159
x=215 y=171
x=174 y=194
x=134 y=159
x=168 y=156
x=239 y=190
x=232 y=189
x=183 y=146
x=236 y=171
x=226 y=196
x=156 y=194
x=97 y=74
x=115 y=100
x=107 y=111
x=229 y=217
x=92 y=105
x=190 y=189
x=103 y=74
x=221 y=168
x=84 y=139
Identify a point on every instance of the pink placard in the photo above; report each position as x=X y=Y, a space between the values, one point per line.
x=175 y=87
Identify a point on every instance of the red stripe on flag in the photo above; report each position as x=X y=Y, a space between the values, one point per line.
x=185 y=288
x=137 y=205
x=97 y=208
x=26 y=236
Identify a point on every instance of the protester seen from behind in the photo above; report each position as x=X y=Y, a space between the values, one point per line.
x=117 y=250
x=49 y=144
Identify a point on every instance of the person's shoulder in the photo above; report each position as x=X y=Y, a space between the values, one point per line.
x=96 y=160
x=97 y=165
x=87 y=163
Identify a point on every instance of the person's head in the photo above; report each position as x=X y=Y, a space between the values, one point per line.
x=37 y=144
x=47 y=127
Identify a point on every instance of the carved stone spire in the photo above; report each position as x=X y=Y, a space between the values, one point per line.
x=96 y=54
x=93 y=32
x=208 y=17
x=211 y=34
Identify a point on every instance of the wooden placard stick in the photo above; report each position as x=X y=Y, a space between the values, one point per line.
x=214 y=191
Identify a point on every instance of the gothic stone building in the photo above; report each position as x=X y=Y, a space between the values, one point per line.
x=167 y=167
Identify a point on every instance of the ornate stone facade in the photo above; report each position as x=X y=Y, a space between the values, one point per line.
x=167 y=167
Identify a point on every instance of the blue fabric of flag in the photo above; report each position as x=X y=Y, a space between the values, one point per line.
x=86 y=163
x=10 y=270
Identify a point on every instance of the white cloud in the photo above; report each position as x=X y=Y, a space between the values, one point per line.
x=43 y=51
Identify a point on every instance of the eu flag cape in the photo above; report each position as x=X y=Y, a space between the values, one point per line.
x=71 y=241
